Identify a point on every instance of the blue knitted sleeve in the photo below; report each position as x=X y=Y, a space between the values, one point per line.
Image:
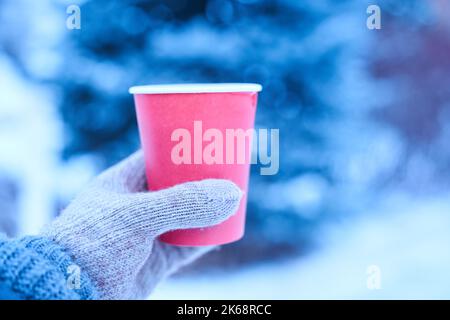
x=36 y=268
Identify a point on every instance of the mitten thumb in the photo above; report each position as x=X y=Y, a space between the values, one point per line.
x=195 y=204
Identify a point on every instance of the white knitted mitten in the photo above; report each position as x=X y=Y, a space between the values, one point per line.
x=110 y=229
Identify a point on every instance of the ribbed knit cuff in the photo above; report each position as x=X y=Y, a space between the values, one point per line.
x=37 y=268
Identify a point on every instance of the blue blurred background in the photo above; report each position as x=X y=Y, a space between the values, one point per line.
x=364 y=119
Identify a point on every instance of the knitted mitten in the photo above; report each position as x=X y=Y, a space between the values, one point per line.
x=110 y=229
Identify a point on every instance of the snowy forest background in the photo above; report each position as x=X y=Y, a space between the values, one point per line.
x=363 y=114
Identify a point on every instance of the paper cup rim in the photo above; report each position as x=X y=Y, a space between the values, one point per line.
x=195 y=88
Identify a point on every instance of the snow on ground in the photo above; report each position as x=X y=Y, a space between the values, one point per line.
x=31 y=137
x=406 y=239
x=31 y=131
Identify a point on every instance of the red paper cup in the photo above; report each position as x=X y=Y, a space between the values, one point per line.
x=171 y=117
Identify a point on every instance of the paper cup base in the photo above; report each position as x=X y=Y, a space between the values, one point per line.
x=198 y=243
